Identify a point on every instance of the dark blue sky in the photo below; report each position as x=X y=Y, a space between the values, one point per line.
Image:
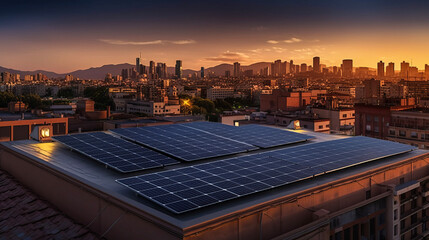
x=66 y=35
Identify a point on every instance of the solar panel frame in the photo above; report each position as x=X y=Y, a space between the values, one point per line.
x=182 y=142
x=114 y=152
x=258 y=172
x=254 y=134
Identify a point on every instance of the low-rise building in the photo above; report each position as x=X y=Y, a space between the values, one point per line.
x=152 y=108
x=374 y=120
x=410 y=127
x=310 y=122
x=214 y=93
x=341 y=120
x=282 y=99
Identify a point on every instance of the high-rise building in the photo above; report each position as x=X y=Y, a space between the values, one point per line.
x=347 y=68
x=6 y=77
x=179 y=69
x=390 y=70
x=292 y=67
x=151 y=69
x=161 y=70
x=303 y=67
x=138 y=63
x=142 y=69
x=380 y=69
x=276 y=68
x=427 y=71
x=316 y=64
x=124 y=73
x=335 y=70
x=202 y=73
x=405 y=67
x=237 y=69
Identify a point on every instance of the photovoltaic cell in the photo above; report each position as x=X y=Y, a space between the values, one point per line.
x=254 y=134
x=189 y=188
x=183 y=142
x=114 y=152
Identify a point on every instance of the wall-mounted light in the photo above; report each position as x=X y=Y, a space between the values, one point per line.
x=42 y=133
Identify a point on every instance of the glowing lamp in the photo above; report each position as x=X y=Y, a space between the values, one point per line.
x=45 y=132
x=42 y=133
x=296 y=124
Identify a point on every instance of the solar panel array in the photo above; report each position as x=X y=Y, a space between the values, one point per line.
x=189 y=188
x=257 y=135
x=115 y=152
x=183 y=142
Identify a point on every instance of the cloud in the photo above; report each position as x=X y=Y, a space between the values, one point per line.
x=259 y=50
x=228 y=57
x=182 y=42
x=293 y=40
x=155 y=42
x=279 y=49
x=272 y=41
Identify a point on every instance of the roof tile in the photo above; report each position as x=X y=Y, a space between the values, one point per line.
x=23 y=215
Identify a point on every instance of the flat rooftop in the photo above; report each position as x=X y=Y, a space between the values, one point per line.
x=58 y=157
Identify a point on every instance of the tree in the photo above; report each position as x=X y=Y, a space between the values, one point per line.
x=65 y=92
x=32 y=101
x=6 y=98
x=100 y=95
x=222 y=105
x=204 y=103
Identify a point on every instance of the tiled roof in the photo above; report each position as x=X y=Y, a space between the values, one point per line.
x=23 y=215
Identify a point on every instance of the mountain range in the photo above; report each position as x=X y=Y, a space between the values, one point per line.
x=115 y=69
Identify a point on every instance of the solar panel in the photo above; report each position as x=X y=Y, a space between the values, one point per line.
x=114 y=152
x=189 y=188
x=183 y=142
x=257 y=135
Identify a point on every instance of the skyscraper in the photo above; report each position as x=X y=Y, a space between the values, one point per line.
x=151 y=69
x=276 y=68
x=303 y=67
x=237 y=69
x=202 y=73
x=179 y=69
x=405 y=67
x=316 y=64
x=291 y=66
x=138 y=63
x=161 y=70
x=427 y=72
x=347 y=68
x=390 y=70
x=380 y=69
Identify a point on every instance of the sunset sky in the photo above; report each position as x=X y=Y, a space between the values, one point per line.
x=64 y=36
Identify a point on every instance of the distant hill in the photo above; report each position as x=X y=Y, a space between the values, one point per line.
x=115 y=69
x=100 y=72
x=22 y=73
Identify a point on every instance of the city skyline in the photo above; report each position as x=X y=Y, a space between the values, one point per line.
x=206 y=34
